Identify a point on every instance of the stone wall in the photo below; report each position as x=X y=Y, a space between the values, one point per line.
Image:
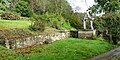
x=86 y=34
x=45 y=38
x=36 y=40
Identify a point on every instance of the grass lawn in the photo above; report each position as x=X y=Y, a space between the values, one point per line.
x=67 y=49
x=10 y=24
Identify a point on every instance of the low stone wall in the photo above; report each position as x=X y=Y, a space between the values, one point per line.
x=86 y=34
x=36 y=40
x=45 y=38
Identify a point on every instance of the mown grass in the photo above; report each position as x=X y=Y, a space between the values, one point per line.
x=66 y=49
x=11 y=24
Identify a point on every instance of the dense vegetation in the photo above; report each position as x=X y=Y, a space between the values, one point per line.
x=49 y=10
x=109 y=21
x=68 y=49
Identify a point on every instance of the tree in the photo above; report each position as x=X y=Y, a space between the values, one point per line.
x=58 y=6
x=106 y=6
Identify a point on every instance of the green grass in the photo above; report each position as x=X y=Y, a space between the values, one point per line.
x=67 y=49
x=10 y=24
x=6 y=54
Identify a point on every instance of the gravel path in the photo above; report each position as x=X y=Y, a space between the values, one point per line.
x=111 y=55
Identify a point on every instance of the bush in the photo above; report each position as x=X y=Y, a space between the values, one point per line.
x=3 y=8
x=23 y=8
x=53 y=20
x=56 y=25
x=9 y=16
x=37 y=23
x=75 y=21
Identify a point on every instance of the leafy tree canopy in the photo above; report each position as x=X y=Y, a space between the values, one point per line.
x=106 y=6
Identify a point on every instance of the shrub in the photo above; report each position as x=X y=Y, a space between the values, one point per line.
x=53 y=20
x=22 y=8
x=66 y=25
x=75 y=21
x=9 y=16
x=56 y=25
x=37 y=23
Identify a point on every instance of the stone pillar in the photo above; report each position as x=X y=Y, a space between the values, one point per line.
x=84 y=24
x=91 y=24
x=94 y=32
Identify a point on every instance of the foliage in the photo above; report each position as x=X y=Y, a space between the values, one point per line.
x=68 y=49
x=111 y=23
x=55 y=13
x=76 y=21
x=3 y=5
x=66 y=25
x=25 y=7
x=1 y=11
x=55 y=21
x=2 y=8
x=9 y=16
x=98 y=23
x=58 y=6
x=106 y=6
x=37 y=23
x=22 y=8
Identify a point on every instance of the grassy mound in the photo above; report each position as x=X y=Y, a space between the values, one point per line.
x=67 y=49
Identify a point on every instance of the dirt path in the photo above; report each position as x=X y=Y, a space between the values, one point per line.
x=111 y=55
